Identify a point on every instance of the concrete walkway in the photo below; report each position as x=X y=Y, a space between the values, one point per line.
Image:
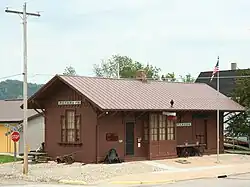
x=197 y=167
x=186 y=174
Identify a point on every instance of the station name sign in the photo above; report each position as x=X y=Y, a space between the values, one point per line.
x=69 y=103
x=183 y=124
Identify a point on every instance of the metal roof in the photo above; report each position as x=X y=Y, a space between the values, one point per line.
x=127 y=94
x=10 y=111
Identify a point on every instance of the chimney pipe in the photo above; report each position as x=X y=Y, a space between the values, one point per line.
x=233 y=66
x=141 y=75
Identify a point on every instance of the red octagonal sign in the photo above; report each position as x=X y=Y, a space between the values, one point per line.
x=15 y=136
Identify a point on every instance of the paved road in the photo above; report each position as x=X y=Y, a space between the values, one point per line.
x=232 y=181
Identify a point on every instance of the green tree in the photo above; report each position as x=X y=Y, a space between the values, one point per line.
x=239 y=123
x=187 y=78
x=169 y=77
x=127 y=68
x=69 y=70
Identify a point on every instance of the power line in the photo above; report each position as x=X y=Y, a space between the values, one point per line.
x=10 y=76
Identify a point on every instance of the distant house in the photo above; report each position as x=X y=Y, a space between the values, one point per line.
x=142 y=119
x=11 y=117
x=227 y=80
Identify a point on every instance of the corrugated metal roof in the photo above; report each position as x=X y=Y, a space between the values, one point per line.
x=125 y=94
x=10 y=111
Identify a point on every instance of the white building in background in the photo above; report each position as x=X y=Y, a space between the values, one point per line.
x=35 y=133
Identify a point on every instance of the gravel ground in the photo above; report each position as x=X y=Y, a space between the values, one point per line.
x=90 y=173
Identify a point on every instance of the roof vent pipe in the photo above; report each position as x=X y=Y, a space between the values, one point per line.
x=233 y=66
x=141 y=75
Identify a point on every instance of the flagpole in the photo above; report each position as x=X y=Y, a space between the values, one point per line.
x=218 y=114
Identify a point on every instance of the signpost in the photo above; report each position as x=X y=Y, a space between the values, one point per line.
x=15 y=137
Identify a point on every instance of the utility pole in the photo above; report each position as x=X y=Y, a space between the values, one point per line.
x=23 y=14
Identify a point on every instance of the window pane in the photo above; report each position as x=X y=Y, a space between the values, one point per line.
x=172 y=137
x=160 y=120
x=164 y=136
x=71 y=136
x=155 y=136
x=70 y=119
x=164 y=122
x=172 y=130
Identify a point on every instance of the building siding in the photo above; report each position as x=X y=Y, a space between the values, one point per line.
x=86 y=152
x=6 y=144
x=35 y=134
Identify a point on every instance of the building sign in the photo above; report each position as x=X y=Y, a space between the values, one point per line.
x=69 y=102
x=183 y=124
x=169 y=113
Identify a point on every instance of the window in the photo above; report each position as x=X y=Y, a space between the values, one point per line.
x=111 y=137
x=70 y=125
x=153 y=127
x=145 y=123
x=160 y=128
x=170 y=130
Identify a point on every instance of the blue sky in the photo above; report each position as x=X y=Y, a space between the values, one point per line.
x=181 y=36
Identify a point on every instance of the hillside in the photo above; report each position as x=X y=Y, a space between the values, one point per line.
x=13 y=89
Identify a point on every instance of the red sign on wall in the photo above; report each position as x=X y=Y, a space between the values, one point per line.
x=15 y=136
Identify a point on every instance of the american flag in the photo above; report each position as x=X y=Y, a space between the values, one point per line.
x=216 y=69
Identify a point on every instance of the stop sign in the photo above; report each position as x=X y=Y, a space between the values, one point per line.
x=15 y=136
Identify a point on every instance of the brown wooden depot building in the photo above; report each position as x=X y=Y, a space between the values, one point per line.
x=88 y=116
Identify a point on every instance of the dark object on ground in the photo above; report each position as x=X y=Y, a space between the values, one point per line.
x=112 y=157
x=190 y=151
x=67 y=159
x=183 y=161
x=222 y=176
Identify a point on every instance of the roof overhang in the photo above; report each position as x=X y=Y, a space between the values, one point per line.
x=169 y=110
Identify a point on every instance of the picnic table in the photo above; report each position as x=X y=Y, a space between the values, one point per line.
x=190 y=149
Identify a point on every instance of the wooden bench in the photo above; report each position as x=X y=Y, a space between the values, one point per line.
x=38 y=157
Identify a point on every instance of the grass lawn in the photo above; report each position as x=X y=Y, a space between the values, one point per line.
x=6 y=158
